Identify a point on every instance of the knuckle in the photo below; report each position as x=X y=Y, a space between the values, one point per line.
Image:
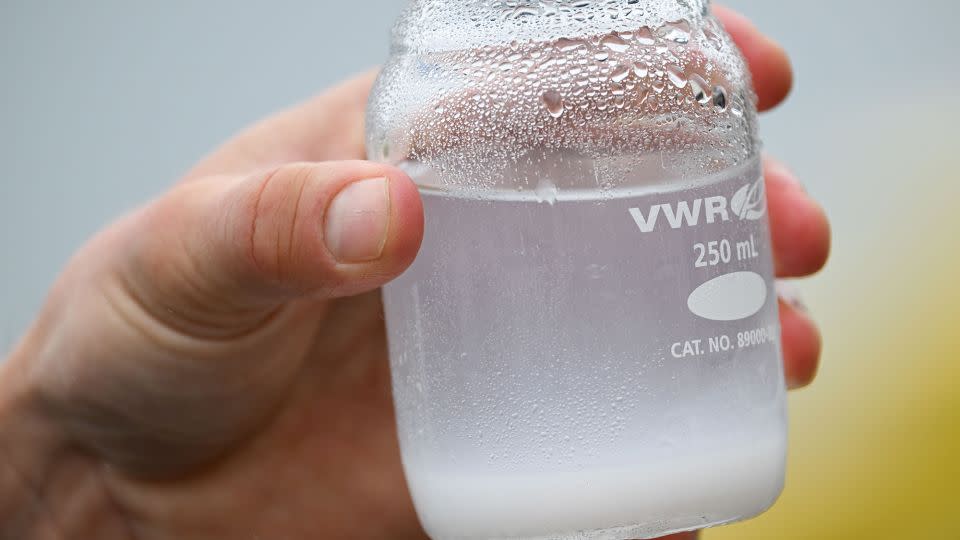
x=274 y=220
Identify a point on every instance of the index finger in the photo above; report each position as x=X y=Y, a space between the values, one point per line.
x=330 y=126
x=768 y=62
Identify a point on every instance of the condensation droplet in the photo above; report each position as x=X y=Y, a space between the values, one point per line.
x=565 y=44
x=547 y=192
x=677 y=31
x=711 y=31
x=720 y=99
x=554 y=103
x=644 y=96
x=644 y=36
x=615 y=43
x=677 y=76
x=700 y=88
x=620 y=74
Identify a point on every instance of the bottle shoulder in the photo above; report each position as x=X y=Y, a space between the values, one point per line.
x=674 y=96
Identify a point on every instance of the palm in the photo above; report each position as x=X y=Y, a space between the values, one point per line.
x=326 y=465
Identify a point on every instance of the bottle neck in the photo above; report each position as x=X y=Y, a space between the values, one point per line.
x=438 y=25
x=526 y=8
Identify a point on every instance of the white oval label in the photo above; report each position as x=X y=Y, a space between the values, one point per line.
x=729 y=298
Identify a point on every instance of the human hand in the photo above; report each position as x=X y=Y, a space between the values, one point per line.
x=213 y=365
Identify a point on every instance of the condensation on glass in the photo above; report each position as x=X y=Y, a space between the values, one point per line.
x=587 y=346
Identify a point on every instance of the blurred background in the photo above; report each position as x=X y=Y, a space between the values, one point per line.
x=104 y=103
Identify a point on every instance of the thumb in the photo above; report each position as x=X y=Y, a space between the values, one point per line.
x=221 y=253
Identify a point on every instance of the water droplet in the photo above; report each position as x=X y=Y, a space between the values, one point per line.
x=620 y=74
x=554 y=103
x=565 y=44
x=595 y=271
x=615 y=43
x=677 y=76
x=546 y=192
x=677 y=31
x=641 y=70
x=644 y=96
x=644 y=36
x=700 y=88
x=710 y=30
x=720 y=100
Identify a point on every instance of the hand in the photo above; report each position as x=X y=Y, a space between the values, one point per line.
x=213 y=365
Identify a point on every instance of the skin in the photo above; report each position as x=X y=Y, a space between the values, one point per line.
x=206 y=368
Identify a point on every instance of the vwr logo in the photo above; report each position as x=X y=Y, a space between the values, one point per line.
x=749 y=203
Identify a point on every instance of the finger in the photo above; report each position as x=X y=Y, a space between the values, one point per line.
x=802 y=342
x=768 y=62
x=798 y=225
x=223 y=251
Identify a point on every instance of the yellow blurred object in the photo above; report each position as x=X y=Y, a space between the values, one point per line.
x=875 y=450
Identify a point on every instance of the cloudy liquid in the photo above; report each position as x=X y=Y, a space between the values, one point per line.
x=649 y=500
x=567 y=363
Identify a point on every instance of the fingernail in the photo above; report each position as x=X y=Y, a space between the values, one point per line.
x=791 y=295
x=357 y=219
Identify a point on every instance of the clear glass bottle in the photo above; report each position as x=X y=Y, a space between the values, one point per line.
x=587 y=345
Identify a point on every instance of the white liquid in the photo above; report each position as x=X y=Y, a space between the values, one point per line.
x=554 y=379
x=733 y=484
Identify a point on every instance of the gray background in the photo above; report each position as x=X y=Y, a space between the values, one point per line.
x=103 y=103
